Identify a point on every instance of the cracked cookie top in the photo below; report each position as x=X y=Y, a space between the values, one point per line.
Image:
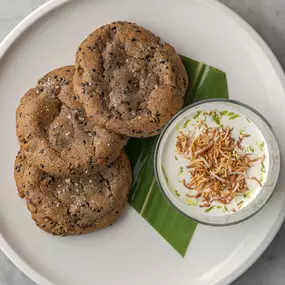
x=128 y=80
x=55 y=134
x=74 y=205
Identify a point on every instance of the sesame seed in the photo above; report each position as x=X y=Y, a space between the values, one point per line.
x=69 y=117
x=76 y=184
x=59 y=185
x=108 y=144
x=90 y=180
x=67 y=180
x=90 y=134
x=67 y=134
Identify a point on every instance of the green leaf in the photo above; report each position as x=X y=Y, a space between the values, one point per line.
x=263 y=170
x=205 y=82
x=181 y=171
x=242 y=132
x=234 y=117
x=190 y=202
x=217 y=119
x=249 y=193
x=186 y=123
x=176 y=192
x=197 y=115
x=251 y=148
x=260 y=145
x=177 y=128
x=209 y=209
x=164 y=173
x=262 y=174
x=231 y=115
x=224 y=113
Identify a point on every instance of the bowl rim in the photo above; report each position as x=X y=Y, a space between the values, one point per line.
x=185 y=109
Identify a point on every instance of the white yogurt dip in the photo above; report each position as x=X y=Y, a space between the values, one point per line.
x=171 y=166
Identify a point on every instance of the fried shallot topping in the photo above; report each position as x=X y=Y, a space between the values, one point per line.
x=218 y=164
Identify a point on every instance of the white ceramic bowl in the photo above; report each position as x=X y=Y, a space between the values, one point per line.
x=167 y=164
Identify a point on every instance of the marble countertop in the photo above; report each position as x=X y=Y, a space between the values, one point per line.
x=268 y=18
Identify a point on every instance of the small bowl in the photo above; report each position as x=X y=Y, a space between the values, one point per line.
x=168 y=166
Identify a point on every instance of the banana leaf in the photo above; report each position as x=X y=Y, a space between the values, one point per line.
x=146 y=198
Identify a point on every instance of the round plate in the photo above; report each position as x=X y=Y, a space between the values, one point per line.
x=131 y=251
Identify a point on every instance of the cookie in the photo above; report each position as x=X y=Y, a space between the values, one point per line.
x=72 y=206
x=128 y=80
x=55 y=134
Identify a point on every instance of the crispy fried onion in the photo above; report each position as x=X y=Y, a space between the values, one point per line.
x=218 y=164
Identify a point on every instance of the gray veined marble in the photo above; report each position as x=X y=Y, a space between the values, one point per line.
x=268 y=18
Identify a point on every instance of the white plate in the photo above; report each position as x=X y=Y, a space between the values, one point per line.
x=131 y=252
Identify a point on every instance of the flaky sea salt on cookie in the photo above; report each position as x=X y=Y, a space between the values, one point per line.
x=72 y=206
x=128 y=81
x=55 y=134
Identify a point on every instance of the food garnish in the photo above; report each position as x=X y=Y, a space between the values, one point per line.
x=218 y=163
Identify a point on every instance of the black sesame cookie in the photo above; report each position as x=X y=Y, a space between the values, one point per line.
x=55 y=134
x=72 y=206
x=128 y=80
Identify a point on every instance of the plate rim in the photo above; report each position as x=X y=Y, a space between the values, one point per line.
x=51 y=5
